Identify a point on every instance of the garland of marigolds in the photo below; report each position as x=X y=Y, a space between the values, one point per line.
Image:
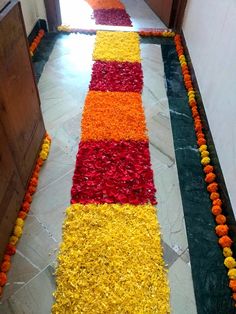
x=25 y=208
x=36 y=42
x=210 y=177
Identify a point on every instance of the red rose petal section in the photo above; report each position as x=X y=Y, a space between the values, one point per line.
x=116 y=17
x=117 y=77
x=113 y=172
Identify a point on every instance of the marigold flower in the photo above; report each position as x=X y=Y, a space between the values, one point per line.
x=205 y=161
x=13 y=240
x=214 y=196
x=232 y=284
x=227 y=252
x=212 y=187
x=229 y=262
x=216 y=210
x=3 y=279
x=202 y=148
x=221 y=230
x=232 y=273
x=10 y=249
x=17 y=231
x=225 y=241
x=210 y=177
x=220 y=219
x=5 y=266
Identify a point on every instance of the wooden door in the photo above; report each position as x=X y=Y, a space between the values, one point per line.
x=20 y=112
x=171 y=12
x=11 y=191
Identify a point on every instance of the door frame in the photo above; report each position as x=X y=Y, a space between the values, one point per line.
x=53 y=12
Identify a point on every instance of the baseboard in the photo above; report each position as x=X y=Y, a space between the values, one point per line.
x=40 y=24
x=227 y=206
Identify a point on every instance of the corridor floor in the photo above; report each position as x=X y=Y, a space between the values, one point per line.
x=63 y=86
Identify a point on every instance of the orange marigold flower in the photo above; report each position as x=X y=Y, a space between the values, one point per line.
x=217 y=201
x=5 y=266
x=201 y=141
x=225 y=241
x=234 y=296
x=208 y=169
x=210 y=177
x=221 y=230
x=22 y=214
x=214 y=196
x=220 y=219
x=3 y=279
x=216 y=210
x=26 y=207
x=6 y=257
x=28 y=198
x=232 y=284
x=212 y=187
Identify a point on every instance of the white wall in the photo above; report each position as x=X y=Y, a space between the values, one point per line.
x=209 y=28
x=32 y=11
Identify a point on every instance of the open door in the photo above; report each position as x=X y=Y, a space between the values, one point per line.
x=171 y=12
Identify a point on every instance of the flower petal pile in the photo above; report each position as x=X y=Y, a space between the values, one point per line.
x=113 y=172
x=117 y=46
x=110 y=261
x=117 y=77
x=105 y=4
x=116 y=17
x=113 y=115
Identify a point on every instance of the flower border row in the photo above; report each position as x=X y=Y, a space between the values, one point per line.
x=221 y=228
x=141 y=32
x=36 y=42
x=25 y=208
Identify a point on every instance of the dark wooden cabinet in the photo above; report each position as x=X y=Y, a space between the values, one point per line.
x=21 y=123
x=171 y=12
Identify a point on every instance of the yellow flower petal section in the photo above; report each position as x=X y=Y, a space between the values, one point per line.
x=117 y=46
x=110 y=261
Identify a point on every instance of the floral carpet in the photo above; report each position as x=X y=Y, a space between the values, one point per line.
x=110 y=259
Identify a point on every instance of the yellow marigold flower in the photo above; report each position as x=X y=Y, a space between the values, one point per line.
x=205 y=161
x=13 y=240
x=19 y=222
x=202 y=148
x=17 y=231
x=232 y=273
x=227 y=252
x=43 y=154
x=230 y=262
x=205 y=153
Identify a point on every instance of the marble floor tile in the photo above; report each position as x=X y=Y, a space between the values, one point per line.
x=20 y=274
x=34 y=298
x=182 y=294
x=49 y=205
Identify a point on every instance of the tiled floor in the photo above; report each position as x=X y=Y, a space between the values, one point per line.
x=77 y=13
x=63 y=86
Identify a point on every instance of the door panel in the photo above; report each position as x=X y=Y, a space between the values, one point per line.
x=20 y=112
x=162 y=8
x=11 y=191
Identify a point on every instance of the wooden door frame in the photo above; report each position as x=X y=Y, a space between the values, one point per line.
x=53 y=11
x=171 y=12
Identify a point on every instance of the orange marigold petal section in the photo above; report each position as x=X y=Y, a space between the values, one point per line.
x=105 y=4
x=113 y=116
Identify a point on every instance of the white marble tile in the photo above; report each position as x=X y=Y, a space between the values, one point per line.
x=155 y=101
x=49 y=205
x=21 y=272
x=35 y=298
x=142 y=15
x=182 y=294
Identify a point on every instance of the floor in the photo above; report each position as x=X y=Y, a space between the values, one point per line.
x=63 y=87
x=141 y=15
